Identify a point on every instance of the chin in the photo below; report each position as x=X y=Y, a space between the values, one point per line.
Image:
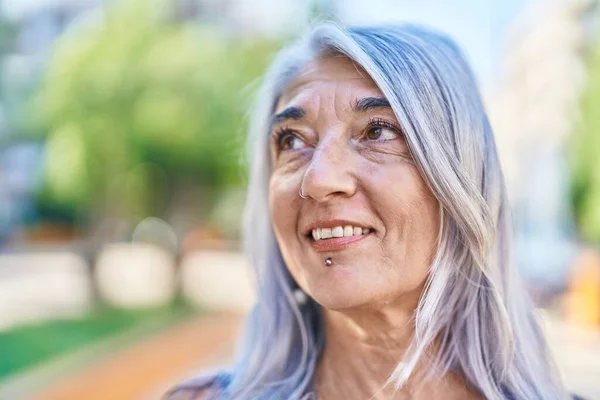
x=337 y=303
x=339 y=297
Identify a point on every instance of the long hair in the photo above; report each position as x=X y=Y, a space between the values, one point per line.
x=473 y=305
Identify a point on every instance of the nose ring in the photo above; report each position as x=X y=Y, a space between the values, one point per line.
x=300 y=193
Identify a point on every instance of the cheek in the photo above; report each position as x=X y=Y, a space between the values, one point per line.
x=282 y=190
x=410 y=213
x=420 y=206
x=423 y=228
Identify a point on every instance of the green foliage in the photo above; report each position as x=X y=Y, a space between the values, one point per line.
x=138 y=100
x=26 y=346
x=585 y=156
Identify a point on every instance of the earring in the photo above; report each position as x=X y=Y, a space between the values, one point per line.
x=300 y=296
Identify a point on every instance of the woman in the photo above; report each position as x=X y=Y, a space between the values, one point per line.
x=378 y=225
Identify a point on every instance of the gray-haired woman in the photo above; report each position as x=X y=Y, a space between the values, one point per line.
x=378 y=226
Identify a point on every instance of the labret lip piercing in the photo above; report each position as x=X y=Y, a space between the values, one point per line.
x=328 y=261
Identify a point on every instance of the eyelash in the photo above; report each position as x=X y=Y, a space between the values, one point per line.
x=373 y=123
x=381 y=123
x=280 y=133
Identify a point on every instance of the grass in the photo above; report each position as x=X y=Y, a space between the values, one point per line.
x=26 y=346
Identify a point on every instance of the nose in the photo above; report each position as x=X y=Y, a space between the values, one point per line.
x=330 y=172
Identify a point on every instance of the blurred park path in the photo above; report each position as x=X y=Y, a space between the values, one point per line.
x=145 y=370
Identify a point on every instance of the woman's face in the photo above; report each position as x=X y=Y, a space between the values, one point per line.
x=334 y=134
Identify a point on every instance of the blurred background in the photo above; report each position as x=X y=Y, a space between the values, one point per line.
x=122 y=177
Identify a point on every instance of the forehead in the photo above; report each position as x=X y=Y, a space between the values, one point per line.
x=329 y=76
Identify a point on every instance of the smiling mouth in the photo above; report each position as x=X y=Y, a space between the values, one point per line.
x=338 y=238
x=338 y=232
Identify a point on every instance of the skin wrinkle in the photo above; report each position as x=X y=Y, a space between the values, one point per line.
x=369 y=297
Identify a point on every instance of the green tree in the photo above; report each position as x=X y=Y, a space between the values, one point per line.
x=585 y=156
x=138 y=104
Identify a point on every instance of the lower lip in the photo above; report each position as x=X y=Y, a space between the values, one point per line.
x=336 y=244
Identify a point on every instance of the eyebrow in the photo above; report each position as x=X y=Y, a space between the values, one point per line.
x=370 y=103
x=361 y=105
x=293 y=113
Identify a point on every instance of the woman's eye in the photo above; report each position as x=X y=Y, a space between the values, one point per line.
x=289 y=141
x=380 y=133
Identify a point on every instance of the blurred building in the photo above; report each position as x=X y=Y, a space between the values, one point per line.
x=35 y=25
x=248 y=17
x=533 y=112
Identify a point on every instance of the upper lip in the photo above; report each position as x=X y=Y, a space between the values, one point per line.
x=332 y=223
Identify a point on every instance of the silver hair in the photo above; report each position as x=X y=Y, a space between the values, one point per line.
x=473 y=303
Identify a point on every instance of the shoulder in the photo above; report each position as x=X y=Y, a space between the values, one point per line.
x=199 y=388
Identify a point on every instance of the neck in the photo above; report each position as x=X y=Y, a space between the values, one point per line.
x=363 y=347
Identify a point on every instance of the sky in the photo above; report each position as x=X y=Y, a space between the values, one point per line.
x=479 y=26
x=19 y=7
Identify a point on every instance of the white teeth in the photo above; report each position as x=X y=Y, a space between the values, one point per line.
x=338 y=231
